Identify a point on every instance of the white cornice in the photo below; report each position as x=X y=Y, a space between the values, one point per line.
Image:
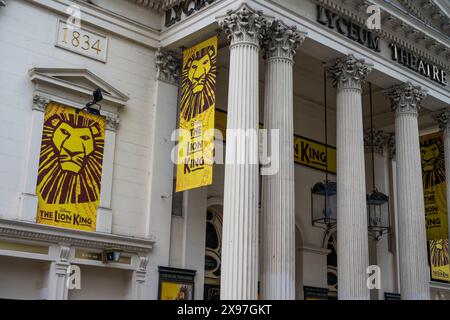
x=157 y=6
x=36 y=232
x=153 y=5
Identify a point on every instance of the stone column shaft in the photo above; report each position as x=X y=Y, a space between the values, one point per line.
x=278 y=203
x=352 y=239
x=239 y=277
x=414 y=276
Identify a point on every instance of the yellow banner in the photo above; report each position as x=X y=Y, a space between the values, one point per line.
x=307 y=152
x=198 y=99
x=70 y=168
x=434 y=189
x=440 y=269
x=176 y=291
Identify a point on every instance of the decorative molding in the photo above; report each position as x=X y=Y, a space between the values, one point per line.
x=245 y=25
x=143 y=262
x=43 y=233
x=157 y=6
x=380 y=140
x=406 y=98
x=442 y=117
x=281 y=41
x=154 y=5
x=40 y=102
x=168 y=67
x=349 y=72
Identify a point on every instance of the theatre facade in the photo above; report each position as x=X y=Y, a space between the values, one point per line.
x=347 y=198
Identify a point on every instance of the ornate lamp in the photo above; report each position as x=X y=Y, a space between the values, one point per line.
x=323 y=204
x=377 y=202
x=323 y=194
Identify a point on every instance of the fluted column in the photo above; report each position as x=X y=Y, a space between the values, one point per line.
x=239 y=277
x=353 y=257
x=278 y=220
x=443 y=119
x=414 y=276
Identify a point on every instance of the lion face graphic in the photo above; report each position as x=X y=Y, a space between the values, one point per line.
x=429 y=156
x=71 y=159
x=199 y=83
x=433 y=162
x=198 y=72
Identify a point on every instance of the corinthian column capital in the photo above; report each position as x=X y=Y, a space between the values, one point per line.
x=406 y=98
x=281 y=41
x=442 y=117
x=167 y=67
x=244 y=25
x=40 y=102
x=349 y=72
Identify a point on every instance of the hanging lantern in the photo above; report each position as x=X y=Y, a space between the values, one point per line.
x=323 y=195
x=323 y=204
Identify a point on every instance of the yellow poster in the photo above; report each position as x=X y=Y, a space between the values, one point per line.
x=198 y=99
x=176 y=291
x=70 y=168
x=434 y=189
x=440 y=269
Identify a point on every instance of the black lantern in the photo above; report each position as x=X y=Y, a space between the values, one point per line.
x=323 y=204
x=323 y=194
x=378 y=214
x=377 y=202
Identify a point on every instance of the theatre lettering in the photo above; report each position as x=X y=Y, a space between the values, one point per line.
x=410 y=60
x=347 y=28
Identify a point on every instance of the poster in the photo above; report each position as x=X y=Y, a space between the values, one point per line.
x=307 y=152
x=439 y=264
x=197 y=105
x=70 y=168
x=434 y=189
x=176 y=284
